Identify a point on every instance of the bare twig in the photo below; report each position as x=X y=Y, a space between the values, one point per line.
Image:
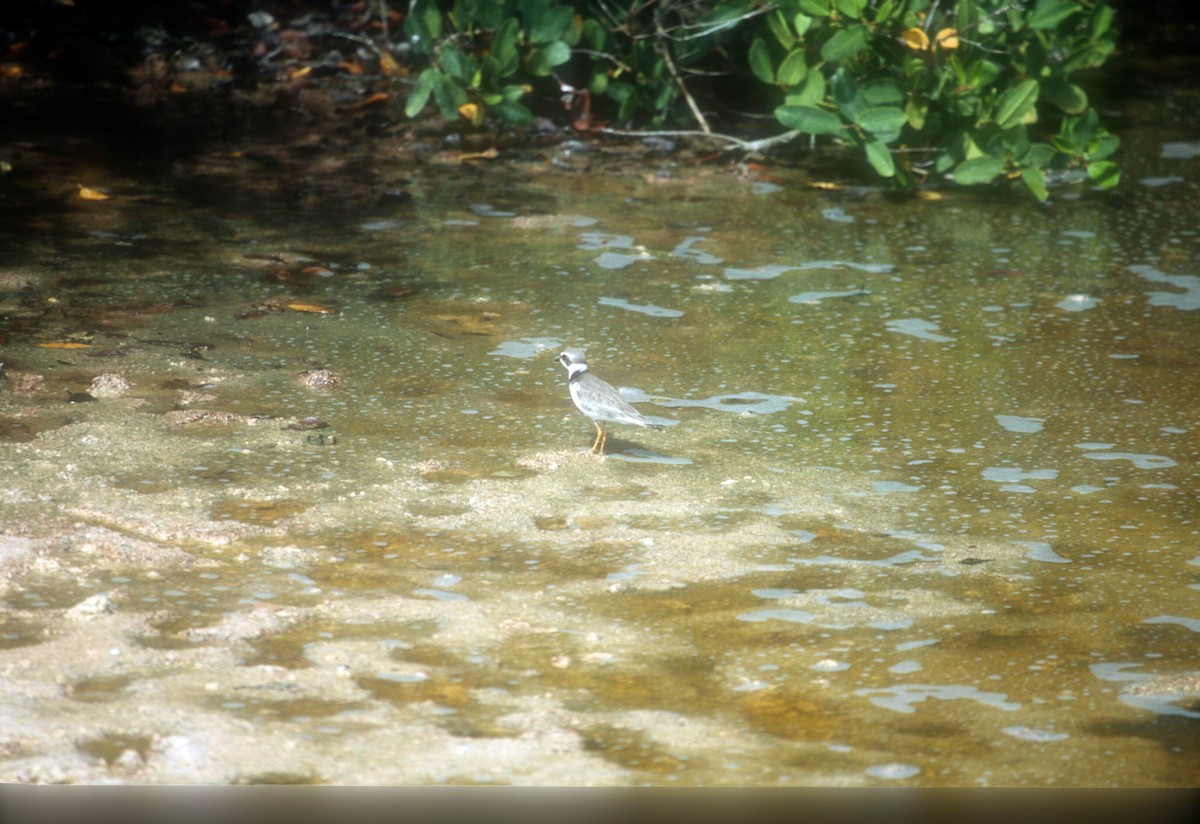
x=734 y=143
x=383 y=18
x=683 y=89
x=705 y=29
x=604 y=56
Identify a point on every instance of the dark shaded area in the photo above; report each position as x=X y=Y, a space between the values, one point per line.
x=199 y=96
x=149 y=80
x=96 y=40
x=171 y=90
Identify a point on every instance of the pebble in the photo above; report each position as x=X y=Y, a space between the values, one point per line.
x=109 y=386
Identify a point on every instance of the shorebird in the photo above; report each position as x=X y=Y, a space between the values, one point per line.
x=597 y=398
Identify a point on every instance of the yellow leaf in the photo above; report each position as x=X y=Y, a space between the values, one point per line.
x=472 y=112
x=304 y=71
x=311 y=307
x=63 y=344
x=88 y=193
x=487 y=154
x=378 y=97
x=388 y=64
x=915 y=39
x=947 y=38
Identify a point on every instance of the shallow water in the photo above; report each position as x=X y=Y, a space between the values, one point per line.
x=924 y=511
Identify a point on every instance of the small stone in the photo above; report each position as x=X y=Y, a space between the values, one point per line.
x=92 y=607
x=318 y=379
x=109 y=386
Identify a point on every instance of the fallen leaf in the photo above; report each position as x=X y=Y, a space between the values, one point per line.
x=352 y=68
x=824 y=185
x=88 y=193
x=486 y=154
x=311 y=307
x=301 y=72
x=64 y=344
x=378 y=97
x=388 y=64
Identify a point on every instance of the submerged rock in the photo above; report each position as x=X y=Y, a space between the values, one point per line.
x=109 y=386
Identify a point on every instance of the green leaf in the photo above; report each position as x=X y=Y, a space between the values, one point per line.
x=475 y=14
x=801 y=23
x=542 y=60
x=1104 y=146
x=815 y=8
x=1079 y=136
x=1015 y=103
x=599 y=84
x=978 y=170
x=882 y=93
x=1101 y=21
x=880 y=158
x=504 y=47
x=1038 y=155
x=725 y=15
x=551 y=25
x=423 y=25
x=808 y=119
x=850 y=8
x=512 y=112
x=448 y=95
x=1065 y=95
x=419 y=95
x=884 y=122
x=512 y=93
x=916 y=110
x=1105 y=174
x=793 y=69
x=760 y=61
x=488 y=73
x=628 y=107
x=846 y=94
x=594 y=35
x=845 y=44
x=1035 y=181
x=620 y=92
x=779 y=27
x=916 y=76
x=1049 y=13
x=1014 y=141
x=452 y=61
x=888 y=10
x=808 y=93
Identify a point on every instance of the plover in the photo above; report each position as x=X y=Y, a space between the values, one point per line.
x=598 y=399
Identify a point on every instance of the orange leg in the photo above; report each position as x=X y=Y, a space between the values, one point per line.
x=601 y=437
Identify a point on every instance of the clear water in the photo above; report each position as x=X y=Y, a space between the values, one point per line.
x=924 y=511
